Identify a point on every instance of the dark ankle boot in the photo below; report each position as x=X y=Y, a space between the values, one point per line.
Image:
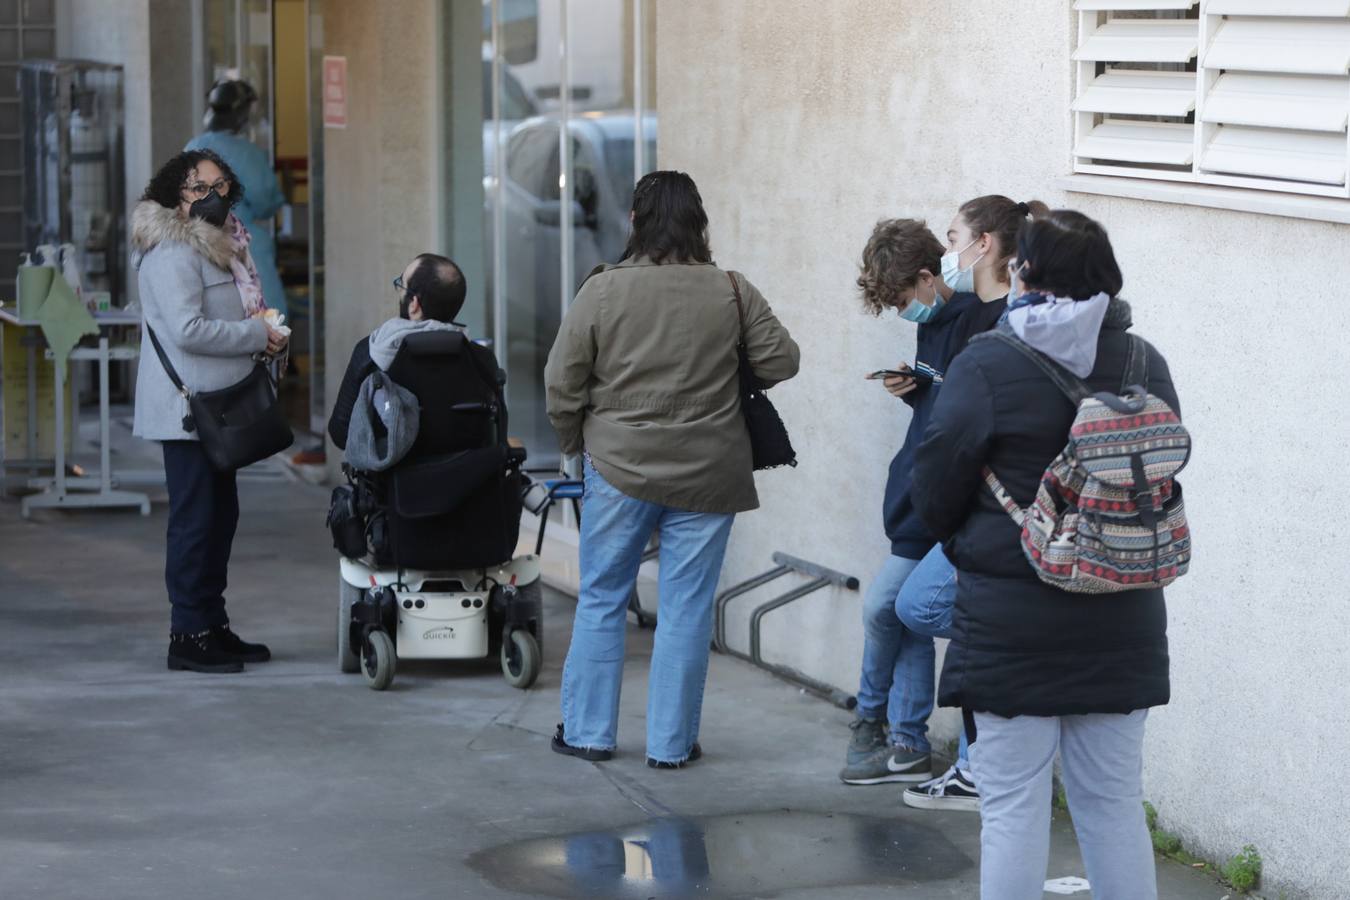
x=239 y=648
x=202 y=652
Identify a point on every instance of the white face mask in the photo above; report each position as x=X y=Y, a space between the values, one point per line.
x=957 y=278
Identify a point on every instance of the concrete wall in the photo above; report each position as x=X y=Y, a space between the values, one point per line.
x=803 y=123
x=383 y=171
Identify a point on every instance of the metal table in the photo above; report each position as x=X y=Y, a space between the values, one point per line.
x=62 y=491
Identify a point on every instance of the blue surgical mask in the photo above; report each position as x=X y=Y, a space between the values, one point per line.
x=917 y=312
x=957 y=278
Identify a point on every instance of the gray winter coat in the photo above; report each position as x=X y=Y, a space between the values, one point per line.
x=189 y=298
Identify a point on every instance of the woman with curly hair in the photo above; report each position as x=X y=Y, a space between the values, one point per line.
x=201 y=297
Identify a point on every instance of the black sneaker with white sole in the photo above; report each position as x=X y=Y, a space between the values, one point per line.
x=952 y=789
x=889 y=764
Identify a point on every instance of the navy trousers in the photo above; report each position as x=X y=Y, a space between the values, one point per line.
x=203 y=513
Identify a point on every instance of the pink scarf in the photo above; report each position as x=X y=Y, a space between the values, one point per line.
x=242 y=268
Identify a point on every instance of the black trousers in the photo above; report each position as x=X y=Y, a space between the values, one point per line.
x=203 y=513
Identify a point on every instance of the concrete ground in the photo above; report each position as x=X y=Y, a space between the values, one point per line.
x=119 y=779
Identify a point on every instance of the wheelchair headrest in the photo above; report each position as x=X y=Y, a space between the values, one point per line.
x=434 y=343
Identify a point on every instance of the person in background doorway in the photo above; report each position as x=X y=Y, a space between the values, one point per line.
x=200 y=296
x=1039 y=669
x=643 y=379
x=229 y=106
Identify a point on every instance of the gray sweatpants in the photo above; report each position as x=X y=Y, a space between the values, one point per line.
x=1102 y=762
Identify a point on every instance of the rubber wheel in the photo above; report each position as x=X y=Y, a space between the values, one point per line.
x=533 y=594
x=348 y=596
x=378 y=661
x=521 y=659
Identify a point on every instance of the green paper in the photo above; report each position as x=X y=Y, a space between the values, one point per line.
x=64 y=320
x=35 y=283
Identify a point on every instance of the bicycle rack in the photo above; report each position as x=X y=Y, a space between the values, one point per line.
x=784 y=564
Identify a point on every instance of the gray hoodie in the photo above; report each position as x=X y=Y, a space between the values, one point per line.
x=388 y=338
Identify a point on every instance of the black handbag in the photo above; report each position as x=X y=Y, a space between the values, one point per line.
x=238 y=425
x=770 y=446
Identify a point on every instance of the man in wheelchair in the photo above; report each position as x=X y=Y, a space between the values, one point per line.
x=428 y=541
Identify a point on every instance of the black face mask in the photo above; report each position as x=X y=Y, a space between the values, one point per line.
x=403 y=305
x=212 y=209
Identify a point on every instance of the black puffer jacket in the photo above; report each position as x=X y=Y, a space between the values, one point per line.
x=1022 y=647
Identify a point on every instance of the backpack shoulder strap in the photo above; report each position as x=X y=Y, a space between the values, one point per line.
x=1069 y=384
x=1136 y=365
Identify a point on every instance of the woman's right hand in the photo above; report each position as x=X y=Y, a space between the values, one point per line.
x=276 y=341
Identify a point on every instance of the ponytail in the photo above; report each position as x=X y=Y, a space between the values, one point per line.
x=1002 y=217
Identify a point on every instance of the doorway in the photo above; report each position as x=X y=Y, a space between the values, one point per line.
x=276 y=46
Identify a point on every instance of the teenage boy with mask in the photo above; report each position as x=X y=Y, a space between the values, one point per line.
x=431 y=293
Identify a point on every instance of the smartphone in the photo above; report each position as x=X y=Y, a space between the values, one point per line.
x=919 y=377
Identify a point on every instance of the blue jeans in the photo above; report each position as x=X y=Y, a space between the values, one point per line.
x=615 y=529
x=907 y=605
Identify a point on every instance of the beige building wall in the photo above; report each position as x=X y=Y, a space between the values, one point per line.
x=803 y=122
x=383 y=171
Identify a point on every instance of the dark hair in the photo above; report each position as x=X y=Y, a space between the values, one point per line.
x=668 y=220
x=1068 y=255
x=166 y=186
x=1002 y=217
x=895 y=253
x=439 y=286
x=228 y=105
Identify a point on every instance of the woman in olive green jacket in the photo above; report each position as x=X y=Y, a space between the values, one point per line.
x=643 y=380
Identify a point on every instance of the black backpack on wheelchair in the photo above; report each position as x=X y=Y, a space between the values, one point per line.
x=454 y=501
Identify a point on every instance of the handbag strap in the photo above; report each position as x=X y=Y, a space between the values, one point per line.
x=168 y=366
x=740 y=309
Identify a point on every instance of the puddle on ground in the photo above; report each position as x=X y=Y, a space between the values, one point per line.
x=750 y=855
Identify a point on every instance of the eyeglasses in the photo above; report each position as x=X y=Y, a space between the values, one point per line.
x=200 y=189
x=399 y=285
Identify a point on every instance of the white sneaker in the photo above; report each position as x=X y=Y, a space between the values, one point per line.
x=952 y=789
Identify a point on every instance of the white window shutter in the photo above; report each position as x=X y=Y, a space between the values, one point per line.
x=1162 y=143
x=1302 y=46
x=1139 y=93
x=1133 y=5
x=1328 y=8
x=1308 y=103
x=1141 y=40
x=1253 y=93
x=1285 y=154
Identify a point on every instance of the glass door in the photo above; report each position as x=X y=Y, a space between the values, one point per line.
x=569 y=125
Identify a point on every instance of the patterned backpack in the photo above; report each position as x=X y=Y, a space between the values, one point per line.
x=1109 y=514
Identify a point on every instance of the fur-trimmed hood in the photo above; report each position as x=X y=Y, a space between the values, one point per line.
x=152 y=225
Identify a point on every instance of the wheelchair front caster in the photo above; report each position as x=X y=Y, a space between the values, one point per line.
x=521 y=659
x=378 y=660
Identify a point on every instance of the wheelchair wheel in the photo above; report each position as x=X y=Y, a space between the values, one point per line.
x=521 y=659
x=378 y=660
x=532 y=595
x=348 y=596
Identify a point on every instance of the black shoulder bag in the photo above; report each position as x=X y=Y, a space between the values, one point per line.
x=238 y=425
x=770 y=446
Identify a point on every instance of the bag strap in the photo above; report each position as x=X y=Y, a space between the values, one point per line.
x=168 y=366
x=1069 y=384
x=1136 y=365
x=740 y=308
x=1003 y=497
